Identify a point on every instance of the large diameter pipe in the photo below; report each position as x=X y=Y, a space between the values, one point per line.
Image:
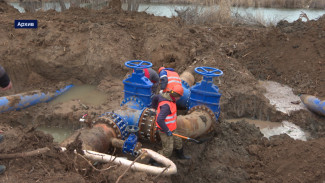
x=183 y=101
x=24 y=100
x=97 y=138
x=187 y=81
x=188 y=78
x=195 y=124
x=314 y=104
x=131 y=116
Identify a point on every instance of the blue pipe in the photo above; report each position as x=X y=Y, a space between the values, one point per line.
x=314 y=104
x=24 y=100
x=133 y=103
x=128 y=115
x=183 y=102
x=131 y=116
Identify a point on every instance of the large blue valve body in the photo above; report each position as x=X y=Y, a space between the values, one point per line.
x=137 y=85
x=205 y=92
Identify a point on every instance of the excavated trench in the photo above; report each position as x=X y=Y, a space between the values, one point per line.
x=252 y=109
x=225 y=157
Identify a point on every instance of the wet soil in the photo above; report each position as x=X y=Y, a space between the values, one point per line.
x=82 y=46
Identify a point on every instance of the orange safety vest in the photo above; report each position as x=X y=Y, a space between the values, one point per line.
x=173 y=79
x=170 y=119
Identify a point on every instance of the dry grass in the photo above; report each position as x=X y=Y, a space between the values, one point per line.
x=221 y=14
x=317 y=4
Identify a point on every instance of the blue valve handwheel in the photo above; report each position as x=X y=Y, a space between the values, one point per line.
x=138 y=64
x=208 y=71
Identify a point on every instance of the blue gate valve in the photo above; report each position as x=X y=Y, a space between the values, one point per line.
x=130 y=143
x=138 y=66
x=205 y=92
x=137 y=85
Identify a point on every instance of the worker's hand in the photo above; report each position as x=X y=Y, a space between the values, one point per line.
x=161 y=92
x=169 y=133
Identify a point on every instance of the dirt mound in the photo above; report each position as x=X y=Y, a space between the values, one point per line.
x=284 y=159
x=82 y=46
x=292 y=54
x=5 y=8
x=224 y=158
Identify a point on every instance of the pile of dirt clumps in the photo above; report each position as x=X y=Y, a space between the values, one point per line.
x=292 y=54
x=83 y=46
x=283 y=159
x=5 y=8
x=224 y=158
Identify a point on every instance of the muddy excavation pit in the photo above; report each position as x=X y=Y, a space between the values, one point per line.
x=87 y=47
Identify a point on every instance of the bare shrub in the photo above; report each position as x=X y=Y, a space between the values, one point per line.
x=30 y=6
x=133 y=5
x=200 y=15
x=317 y=4
x=254 y=20
x=224 y=11
x=190 y=15
x=280 y=3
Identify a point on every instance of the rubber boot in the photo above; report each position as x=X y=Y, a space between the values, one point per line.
x=180 y=154
x=153 y=162
x=2 y=169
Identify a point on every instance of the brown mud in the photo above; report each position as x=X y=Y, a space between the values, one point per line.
x=82 y=46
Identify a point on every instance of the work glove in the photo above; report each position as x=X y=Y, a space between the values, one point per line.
x=161 y=92
x=169 y=133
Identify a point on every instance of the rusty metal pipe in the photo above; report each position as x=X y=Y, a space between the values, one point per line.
x=102 y=136
x=97 y=138
x=195 y=124
x=188 y=77
x=119 y=143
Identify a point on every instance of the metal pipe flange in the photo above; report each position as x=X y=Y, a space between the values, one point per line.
x=203 y=108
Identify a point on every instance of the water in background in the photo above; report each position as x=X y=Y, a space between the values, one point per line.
x=270 y=15
x=269 y=129
x=59 y=133
x=87 y=94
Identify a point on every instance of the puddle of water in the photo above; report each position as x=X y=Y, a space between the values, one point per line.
x=87 y=94
x=288 y=128
x=269 y=129
x=59 y=134
x=281 y=96
x=258 y=123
